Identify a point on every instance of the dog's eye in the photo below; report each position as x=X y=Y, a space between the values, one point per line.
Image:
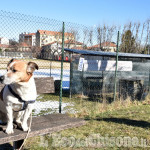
x=14 y=70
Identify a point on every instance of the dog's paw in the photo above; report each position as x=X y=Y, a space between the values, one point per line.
x=9 y=131
x=25 y=127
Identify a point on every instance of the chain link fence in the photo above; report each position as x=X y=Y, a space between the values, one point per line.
x=37 y=39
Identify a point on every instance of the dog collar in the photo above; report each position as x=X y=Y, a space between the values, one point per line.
x=1 y=93
x=25 y=103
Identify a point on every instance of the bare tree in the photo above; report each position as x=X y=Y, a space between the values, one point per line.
x=110 y=33
x=91 y=37
x=76 y=37
x=99 y=36
x=85 y=37
x=104 y=33
x=147 y=32
x=137 y=26
x=14 y=44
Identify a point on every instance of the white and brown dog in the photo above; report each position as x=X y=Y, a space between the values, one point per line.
x=19 y=93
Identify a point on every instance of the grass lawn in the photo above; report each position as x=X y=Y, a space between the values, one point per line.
x=112 y=122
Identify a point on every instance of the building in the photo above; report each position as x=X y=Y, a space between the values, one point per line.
x=105 y=46
x=53 y=50
x=93 y=74
x=24 y=47
x=28 y=38
x=4 y=44
x=73 y=44
x=4 y=47
x=4 y=41
x=44 y=37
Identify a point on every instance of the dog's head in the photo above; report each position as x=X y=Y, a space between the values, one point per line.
x=18 y=71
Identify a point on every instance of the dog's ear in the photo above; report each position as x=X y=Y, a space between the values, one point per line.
x=10 y=62
x=31 y=66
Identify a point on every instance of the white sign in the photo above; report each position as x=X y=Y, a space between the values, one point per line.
x=81 y=63
x=107 y=65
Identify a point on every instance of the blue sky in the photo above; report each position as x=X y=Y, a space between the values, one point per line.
x=86 y=12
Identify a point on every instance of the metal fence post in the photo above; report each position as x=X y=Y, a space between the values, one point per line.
x=149 y=83
x=71 y=76
x=62 y=59
x=50 y=68
x=115 y=82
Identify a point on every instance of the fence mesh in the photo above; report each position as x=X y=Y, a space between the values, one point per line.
x=40 y=40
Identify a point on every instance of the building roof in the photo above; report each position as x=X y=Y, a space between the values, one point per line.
x=111 y=54
x=104 y=44
x=29 y=34
x=46 y=32
x=4 y=46
x=23 y=44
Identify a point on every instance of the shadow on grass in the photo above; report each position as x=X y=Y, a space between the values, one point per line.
x=129 y=122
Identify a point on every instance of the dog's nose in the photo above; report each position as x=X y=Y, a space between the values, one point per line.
x=1 y=78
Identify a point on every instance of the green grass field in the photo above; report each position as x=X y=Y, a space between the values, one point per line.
x=113 y=122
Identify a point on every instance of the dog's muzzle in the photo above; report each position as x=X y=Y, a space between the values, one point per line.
x=2 y=79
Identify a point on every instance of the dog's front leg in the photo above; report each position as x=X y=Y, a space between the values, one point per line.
x=27 y=113
x=18 y=117
x=9 y=129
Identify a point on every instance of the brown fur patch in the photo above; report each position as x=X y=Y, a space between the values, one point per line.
x=18 y=68
x=21 y=69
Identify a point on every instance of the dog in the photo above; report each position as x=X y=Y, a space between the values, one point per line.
x=19 y=93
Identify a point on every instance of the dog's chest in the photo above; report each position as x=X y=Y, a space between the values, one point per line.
x=17 y=107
